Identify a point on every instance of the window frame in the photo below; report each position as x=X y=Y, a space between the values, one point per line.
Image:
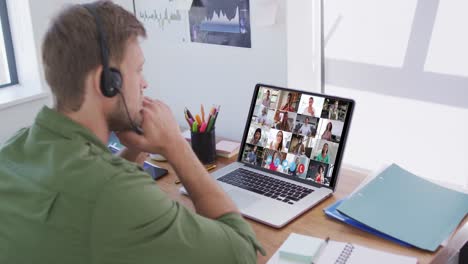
x=9 y=49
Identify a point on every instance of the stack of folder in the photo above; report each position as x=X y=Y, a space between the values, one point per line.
x=404 y=208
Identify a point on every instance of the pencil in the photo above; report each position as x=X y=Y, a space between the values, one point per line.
x=210 y=167
x=202 y=112
x=199 y=121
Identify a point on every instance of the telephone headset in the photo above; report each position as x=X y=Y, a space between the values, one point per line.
x=111 y=78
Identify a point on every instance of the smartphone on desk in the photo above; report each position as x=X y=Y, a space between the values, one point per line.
x=153 y=170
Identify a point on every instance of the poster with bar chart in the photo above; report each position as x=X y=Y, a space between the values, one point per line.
x=166 y=20
x=221 y=22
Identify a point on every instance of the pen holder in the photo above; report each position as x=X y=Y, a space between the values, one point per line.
x=204 y=146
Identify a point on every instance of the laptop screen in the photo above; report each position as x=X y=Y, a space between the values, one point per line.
x=295 y=134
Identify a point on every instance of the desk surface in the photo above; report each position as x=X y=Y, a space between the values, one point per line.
x=313 y=222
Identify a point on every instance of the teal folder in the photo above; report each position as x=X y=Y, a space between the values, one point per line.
x=407 y=207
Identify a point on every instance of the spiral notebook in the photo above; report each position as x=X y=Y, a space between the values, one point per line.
x=334 y=252
x=346 y=253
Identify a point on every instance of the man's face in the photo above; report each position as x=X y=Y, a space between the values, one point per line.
x=132 y=88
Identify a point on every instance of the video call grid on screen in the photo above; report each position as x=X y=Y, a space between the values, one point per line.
x=296 y=134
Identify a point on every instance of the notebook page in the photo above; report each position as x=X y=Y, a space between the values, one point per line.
x=344 y=253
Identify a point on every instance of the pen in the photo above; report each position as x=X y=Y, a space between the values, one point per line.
x=191 y=122
x=187 y=119
x=320 y=250
x=195 y=127
x=188 y=113
x=214 y=119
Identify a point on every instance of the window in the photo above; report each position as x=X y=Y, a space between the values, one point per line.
x=8 y=74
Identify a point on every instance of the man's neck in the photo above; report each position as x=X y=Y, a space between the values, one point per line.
x=93 y=121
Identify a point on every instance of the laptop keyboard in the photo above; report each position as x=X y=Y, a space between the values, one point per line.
x=267 y=186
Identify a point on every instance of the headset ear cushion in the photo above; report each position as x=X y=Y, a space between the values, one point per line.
x=114 y=82
x=115 y=79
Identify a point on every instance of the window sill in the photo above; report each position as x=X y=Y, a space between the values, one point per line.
x=17 y=94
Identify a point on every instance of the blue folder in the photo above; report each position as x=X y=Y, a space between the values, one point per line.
x=407 y=207
x=333 y=213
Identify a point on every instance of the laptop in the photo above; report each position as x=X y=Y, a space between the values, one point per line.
x=290 y=154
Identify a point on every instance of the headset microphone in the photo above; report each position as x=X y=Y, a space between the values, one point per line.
x=111 y=78
x=136 y=128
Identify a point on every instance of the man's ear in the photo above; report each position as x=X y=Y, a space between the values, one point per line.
x=94 y=80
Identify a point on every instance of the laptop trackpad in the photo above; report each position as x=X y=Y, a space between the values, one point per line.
x=242 y=199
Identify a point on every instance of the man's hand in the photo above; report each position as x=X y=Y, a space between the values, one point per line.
x=162 y=136
x=161 y=131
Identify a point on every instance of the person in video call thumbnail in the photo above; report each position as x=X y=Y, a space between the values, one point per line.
x=310 y=109
x=297 y=162
x=256 y=137
x=306 y=129
x=252 y=156
x=319 y=174
x=333 y=111
x=323 y=155
x=299 y=148
x=278 y=143
x=284 y=125
x=266 y=101
x=262 y=119
x=273 y=166
x=327 y=134
x=288 y=106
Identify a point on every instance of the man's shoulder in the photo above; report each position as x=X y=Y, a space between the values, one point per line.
x=73 y=166
x=90 y=169
x=97 y=165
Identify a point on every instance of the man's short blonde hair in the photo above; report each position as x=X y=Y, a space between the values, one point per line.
x=71 y=48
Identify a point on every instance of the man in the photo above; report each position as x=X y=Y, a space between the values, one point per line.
x=263 y=118
x=309 y=110
x=305 y=129
x=266 y=101
x=65 y=199
x=333 y=111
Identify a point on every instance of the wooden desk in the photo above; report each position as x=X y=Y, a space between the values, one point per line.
x=314 y=222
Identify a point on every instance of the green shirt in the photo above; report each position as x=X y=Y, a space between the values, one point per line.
x=64 y=198
x=322 y=159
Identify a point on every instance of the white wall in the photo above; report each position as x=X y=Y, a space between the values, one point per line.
x=405 y=65
x=19 y=116
x=304 y=50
